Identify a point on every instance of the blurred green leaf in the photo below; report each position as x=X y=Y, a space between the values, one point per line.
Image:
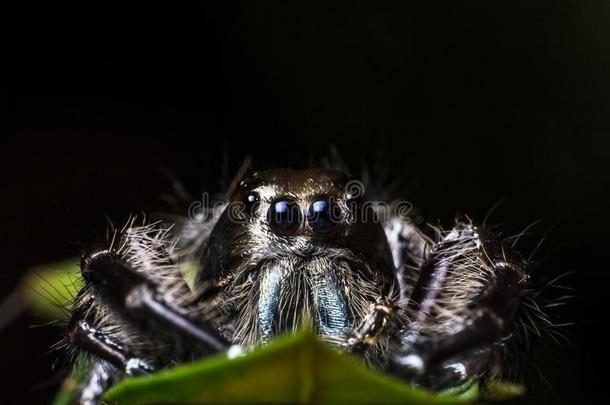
x=49 y=290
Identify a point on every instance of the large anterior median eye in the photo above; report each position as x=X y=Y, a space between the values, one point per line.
x=284 y=216
x=324 y=216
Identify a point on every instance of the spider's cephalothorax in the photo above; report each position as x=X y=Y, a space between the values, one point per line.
x=291 y=247
x=294 y=245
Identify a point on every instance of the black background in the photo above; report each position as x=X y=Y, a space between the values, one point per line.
x=466 y=103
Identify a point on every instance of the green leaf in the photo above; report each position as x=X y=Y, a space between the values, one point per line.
x=48 y=291
x=291 y=369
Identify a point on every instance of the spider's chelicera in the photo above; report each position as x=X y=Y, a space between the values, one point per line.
x=301 y=246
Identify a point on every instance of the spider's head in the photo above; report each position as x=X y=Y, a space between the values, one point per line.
x=303 y=213
x=294 y=231
x=284 y=203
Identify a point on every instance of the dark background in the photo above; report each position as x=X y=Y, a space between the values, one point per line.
x=466 y=103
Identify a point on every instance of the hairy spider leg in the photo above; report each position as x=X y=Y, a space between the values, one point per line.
x=491 y=313
x=82 y=335
x=131 y=292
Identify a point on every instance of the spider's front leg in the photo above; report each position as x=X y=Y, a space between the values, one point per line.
x=132 y=315
x=461 y=308
x=143 y=301
x=82 y=335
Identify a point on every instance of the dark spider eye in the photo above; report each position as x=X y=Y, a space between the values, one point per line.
x=251 y=201
x=284 y=216
x=353 y=201
x=324 y=215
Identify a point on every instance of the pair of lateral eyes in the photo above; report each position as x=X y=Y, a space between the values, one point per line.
x=284 y=215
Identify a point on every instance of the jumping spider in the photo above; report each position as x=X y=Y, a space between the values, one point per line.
x=287 y=246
